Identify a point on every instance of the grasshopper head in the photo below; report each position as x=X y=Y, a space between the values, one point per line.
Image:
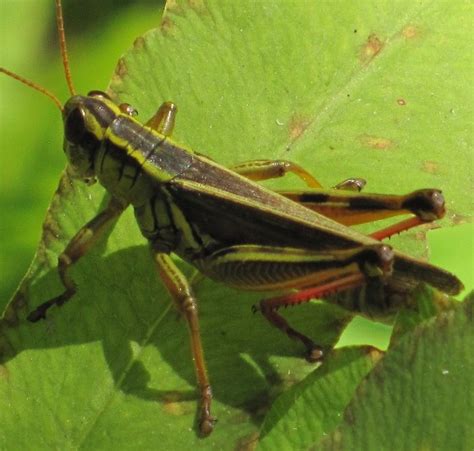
x=86 y=119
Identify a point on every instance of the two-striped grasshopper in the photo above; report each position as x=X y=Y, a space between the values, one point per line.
x=229 y=227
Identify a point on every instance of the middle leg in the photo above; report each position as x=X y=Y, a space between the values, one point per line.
x=258 y=170
x=269 y=169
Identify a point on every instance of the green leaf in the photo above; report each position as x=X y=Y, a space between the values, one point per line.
x=375 y=90
x=419 y=395
x=425 y=303
x=310 y=410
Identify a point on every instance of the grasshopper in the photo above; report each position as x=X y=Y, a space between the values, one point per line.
x=228 y=226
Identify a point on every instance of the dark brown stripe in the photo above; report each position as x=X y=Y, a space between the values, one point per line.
x=367 y=203
x=103 y=114
x=138 y=137
x=313 y=197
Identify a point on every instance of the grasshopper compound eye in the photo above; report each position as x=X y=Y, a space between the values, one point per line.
x=75 y=126
x=80 y=141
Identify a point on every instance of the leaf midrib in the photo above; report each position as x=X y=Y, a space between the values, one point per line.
x=89 y=428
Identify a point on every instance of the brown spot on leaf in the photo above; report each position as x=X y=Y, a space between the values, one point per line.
x=179 y=8
x=4 y=374
x=457 y=218
x=420 y=235
x=411 y=31
x=121 y=68
x=167 y=25
x=297 y=125
x=401 y=102
x=198 y=6
x=371 y=48
x=374 y=354
x=248 y=442
x=174 y=404
x=139 y=43
x=432 y=167
x=174 y=408
x=172 y=6
x=376 y=142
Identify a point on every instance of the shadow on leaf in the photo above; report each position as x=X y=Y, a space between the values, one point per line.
x=144 y=340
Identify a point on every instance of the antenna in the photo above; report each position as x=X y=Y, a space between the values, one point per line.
x=33 y=85
x=64 y=57
x=63 y=47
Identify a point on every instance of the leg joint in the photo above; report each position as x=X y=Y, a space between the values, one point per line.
x=188 y=305
x=64 y=261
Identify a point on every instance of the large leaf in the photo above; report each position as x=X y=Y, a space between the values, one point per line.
x=419 y=396
x=361 y=383
x=344 y=90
